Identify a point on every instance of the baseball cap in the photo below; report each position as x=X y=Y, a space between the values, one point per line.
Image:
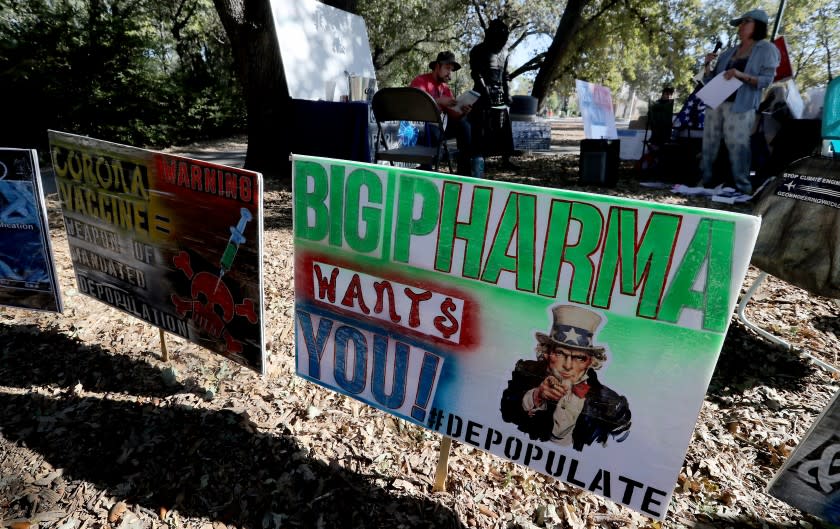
x=759 y=15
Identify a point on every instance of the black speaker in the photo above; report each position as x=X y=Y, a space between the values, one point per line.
x=599 y=162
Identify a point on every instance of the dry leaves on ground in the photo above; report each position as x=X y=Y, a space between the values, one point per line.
x=96 y=432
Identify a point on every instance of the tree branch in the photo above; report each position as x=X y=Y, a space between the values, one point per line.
x=478 y=13
x=535 y=63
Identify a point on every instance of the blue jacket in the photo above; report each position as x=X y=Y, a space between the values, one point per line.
x=764 y=58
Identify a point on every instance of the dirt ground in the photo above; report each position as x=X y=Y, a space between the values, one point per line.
x=96 y=431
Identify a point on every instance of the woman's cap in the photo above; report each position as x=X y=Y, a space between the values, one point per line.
x=759 y=15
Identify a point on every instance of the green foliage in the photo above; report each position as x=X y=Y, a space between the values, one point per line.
x=131 y=71
x=812 y=33
x=637 y=44
x=811 y=29
x=406 y=34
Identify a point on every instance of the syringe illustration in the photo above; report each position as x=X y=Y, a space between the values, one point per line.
x=236 y=238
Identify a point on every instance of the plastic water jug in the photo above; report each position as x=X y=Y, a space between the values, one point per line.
x=478 y=167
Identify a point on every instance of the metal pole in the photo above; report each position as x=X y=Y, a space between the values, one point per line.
x=778 y=20
x=774 y=339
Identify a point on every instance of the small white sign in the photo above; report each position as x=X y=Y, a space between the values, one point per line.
x=321 y=47
x=595 y=102
x=632 y=143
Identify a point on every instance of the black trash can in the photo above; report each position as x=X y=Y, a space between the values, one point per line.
x=599 y=162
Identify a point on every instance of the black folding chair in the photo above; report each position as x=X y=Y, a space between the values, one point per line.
x=410 y=104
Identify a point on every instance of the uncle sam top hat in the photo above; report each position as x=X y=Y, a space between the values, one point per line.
x=574 y=327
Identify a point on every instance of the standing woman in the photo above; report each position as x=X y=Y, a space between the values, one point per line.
x=754 y=63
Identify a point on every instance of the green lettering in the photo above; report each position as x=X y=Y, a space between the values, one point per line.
x=711 y=245
x=653 y=260
x=578 y=255
x=643 y=265
x=471 y=232
x=311 y=200
x=558 y=226
x=363 y=225
x=412 y=188
x=518 y=217
x=336 y=203
x=618 y=220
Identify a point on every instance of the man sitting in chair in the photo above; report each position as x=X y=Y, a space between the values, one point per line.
x=434 y=84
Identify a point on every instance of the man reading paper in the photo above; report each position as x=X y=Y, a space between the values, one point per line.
x=434 y=84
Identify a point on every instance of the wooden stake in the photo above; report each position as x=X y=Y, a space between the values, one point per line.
x=443 y=464
x=164 y=354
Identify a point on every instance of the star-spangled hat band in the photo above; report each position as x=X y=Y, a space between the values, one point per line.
x=574 y=327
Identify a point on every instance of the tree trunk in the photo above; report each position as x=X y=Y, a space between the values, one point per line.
x=570 y=23
x=250 y=28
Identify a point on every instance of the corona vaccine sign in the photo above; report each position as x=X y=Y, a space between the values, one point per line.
x=173 y=241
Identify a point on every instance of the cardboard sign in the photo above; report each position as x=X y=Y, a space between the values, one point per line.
x=632 y=143
x=596 y=108
x=793 y=99
x=572 y=333
x=27 y=270
x=810 y=479
x=173 y=241
x=321 y=47
x=531 y=135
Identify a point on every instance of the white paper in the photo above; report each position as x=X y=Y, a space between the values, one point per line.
x=467 y=98
x=717 y=90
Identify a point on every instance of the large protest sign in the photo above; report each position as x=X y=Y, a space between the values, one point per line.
x=810 y=479
x=596 y=108
x=569 y=332
x=27 y=270
x=173 y=241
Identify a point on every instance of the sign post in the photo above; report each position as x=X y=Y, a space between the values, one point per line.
x=164 y=354
x=443 y=464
